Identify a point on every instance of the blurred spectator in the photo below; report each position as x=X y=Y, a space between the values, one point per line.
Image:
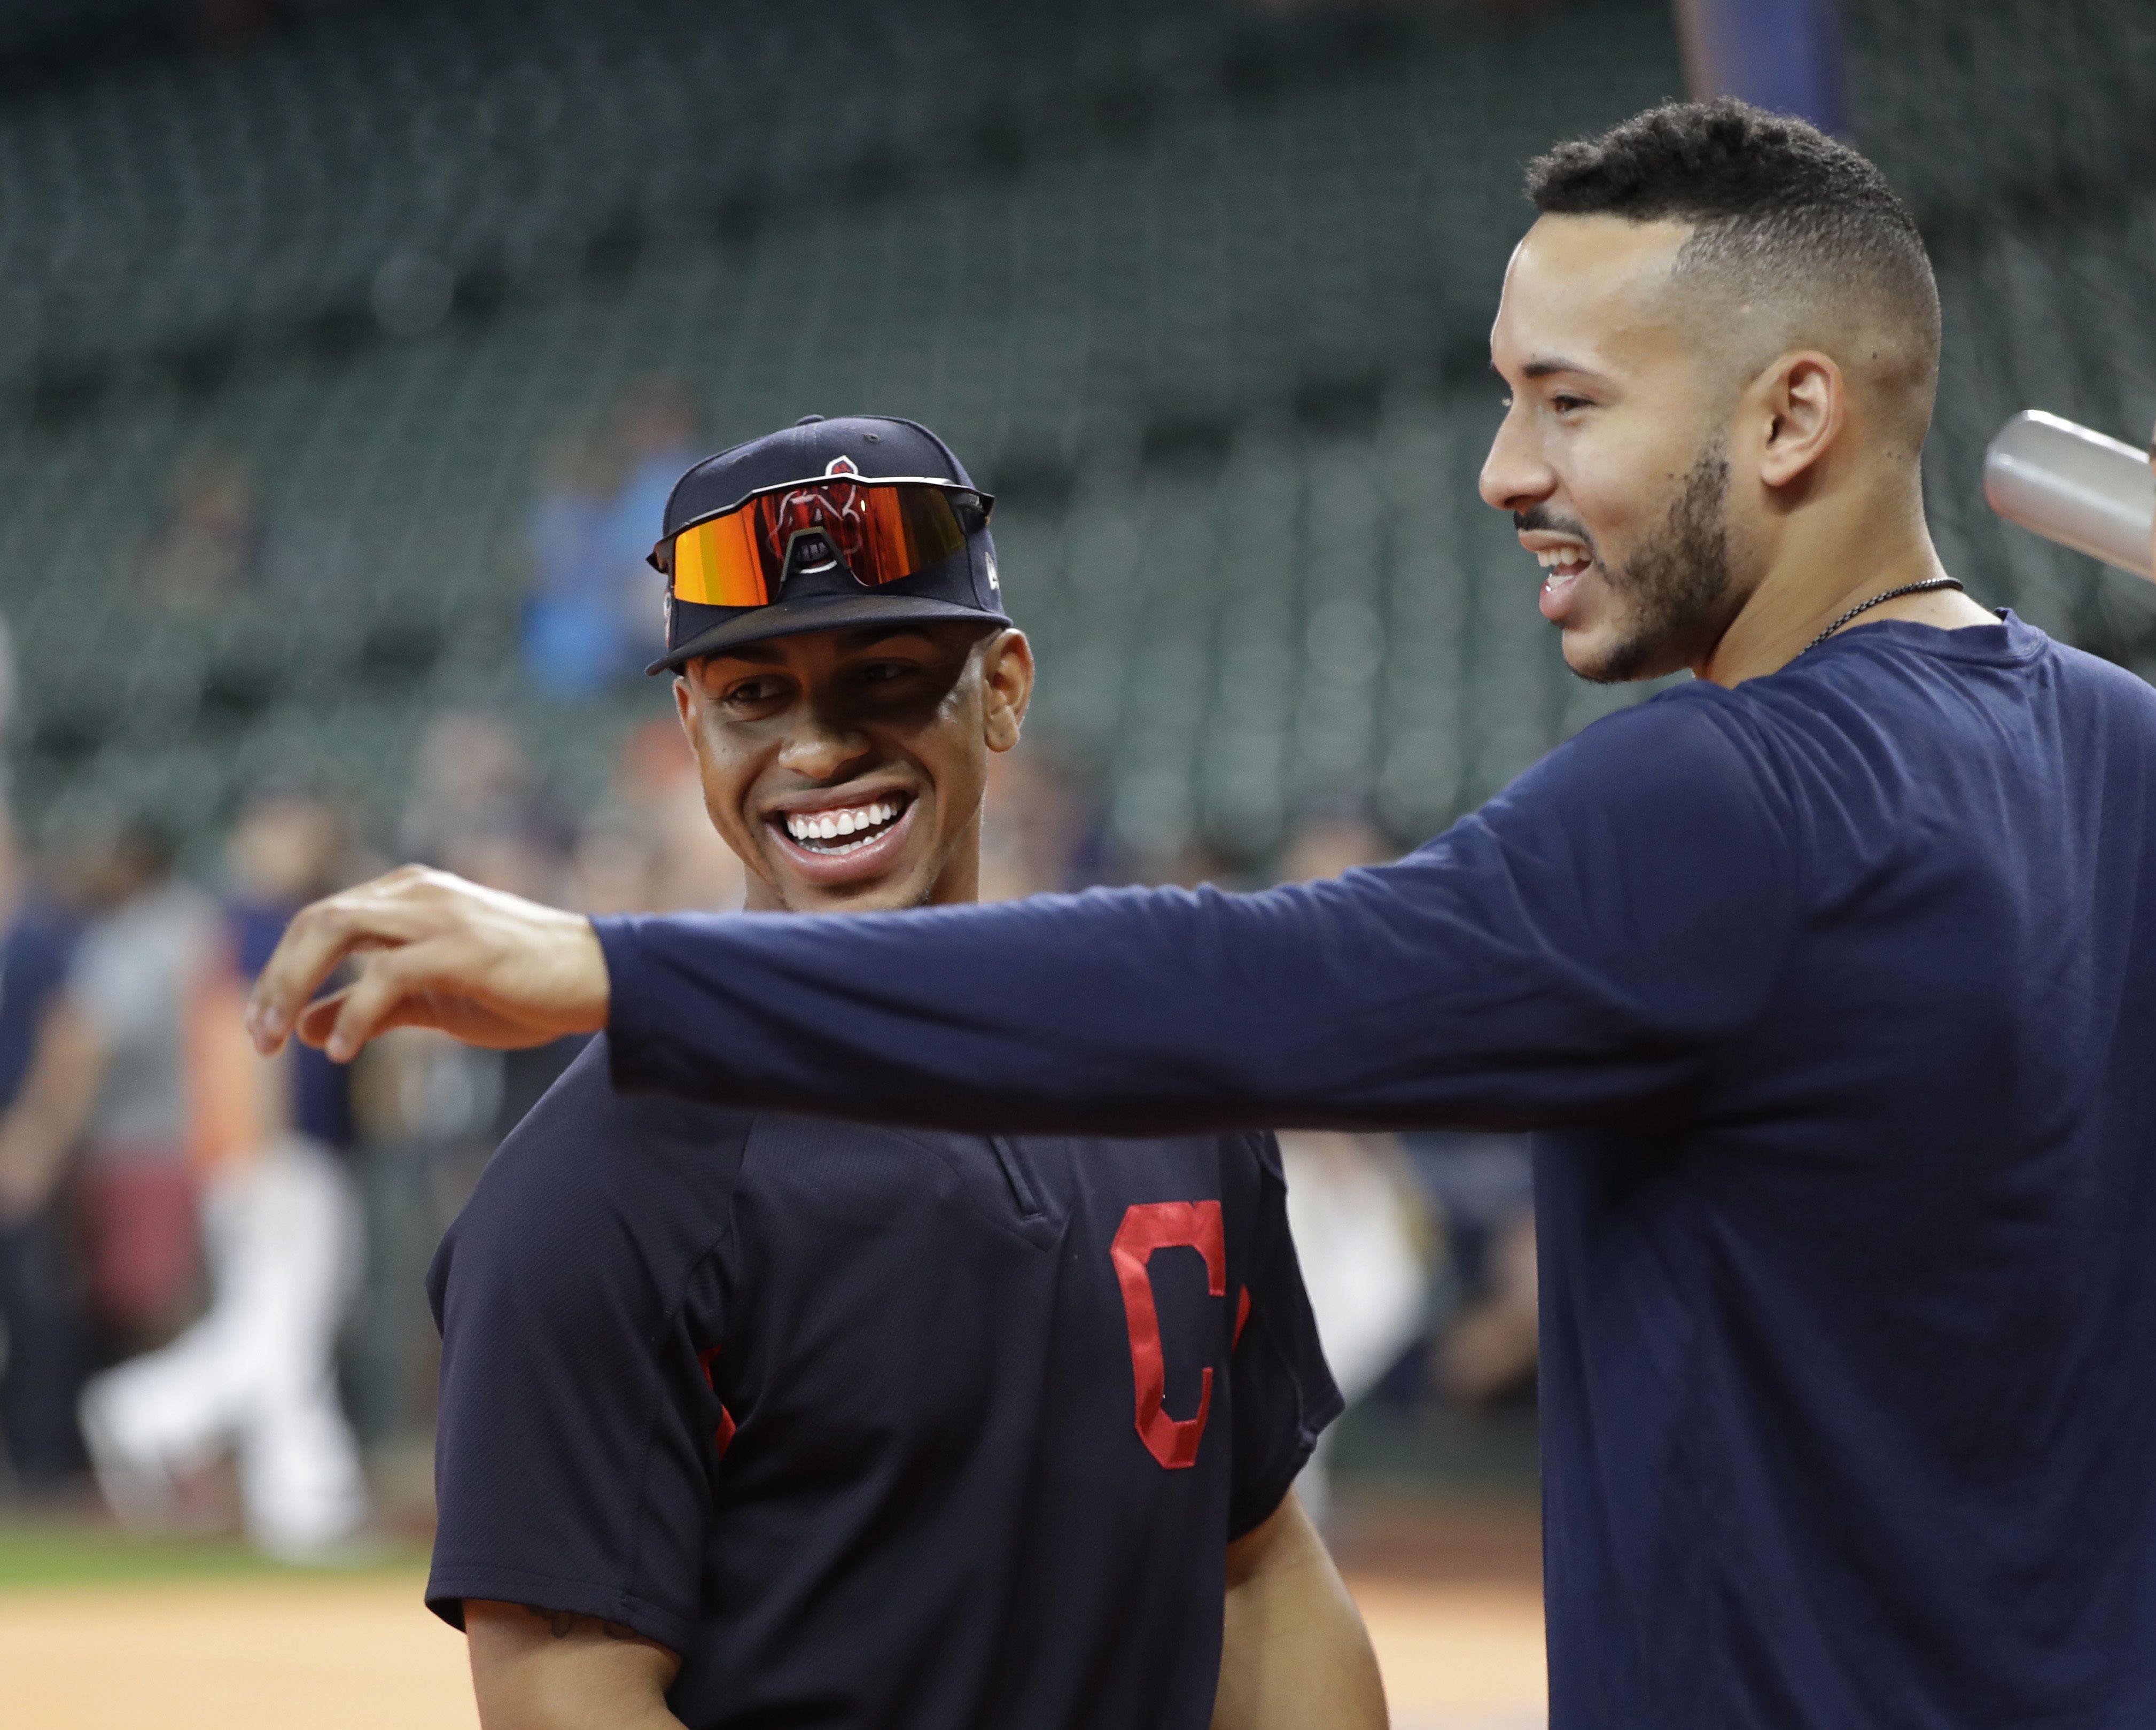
x=256 y=1374
x=1361 y=1232
x=1327 y=845
x=593 y=615
x=1032 y=827
x=569 y=627
x=524 y=860
x=472 y=781
x=516 y=850
x=291 y=846
x=1489 y=1352
x=1043 y=827
x=1191 y=862
x=1484 y=1187
x=209 y=546
x=650 y=848
x=49 y=1070
x=1366 y=1245
x=477 y=809
x=149 y=940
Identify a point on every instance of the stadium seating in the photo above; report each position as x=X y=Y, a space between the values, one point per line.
x=2021 y=132
x=1207 y=309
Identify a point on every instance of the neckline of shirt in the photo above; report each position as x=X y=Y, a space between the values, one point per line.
x=2012 y=639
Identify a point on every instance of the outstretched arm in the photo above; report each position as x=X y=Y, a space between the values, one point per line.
x=546 y=1670
x=1294 y=1655
x=1579 y=946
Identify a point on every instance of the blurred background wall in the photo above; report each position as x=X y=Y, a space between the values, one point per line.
x=327 y=339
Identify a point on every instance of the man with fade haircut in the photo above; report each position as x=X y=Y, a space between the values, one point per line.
x=1828 y=979
x=748 y=1419
x=1714 y=299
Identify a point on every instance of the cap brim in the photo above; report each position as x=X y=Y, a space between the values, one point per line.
x=819 y=612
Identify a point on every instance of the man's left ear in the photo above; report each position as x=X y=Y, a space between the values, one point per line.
x=1805 y=403
x=1006 y=687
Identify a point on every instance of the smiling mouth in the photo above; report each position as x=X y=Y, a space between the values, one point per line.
x=844 y=829
x=1559 y=563
x=1562 y=567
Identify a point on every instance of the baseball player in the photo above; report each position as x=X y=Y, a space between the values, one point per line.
x=748 y=1418
x=1828 y=978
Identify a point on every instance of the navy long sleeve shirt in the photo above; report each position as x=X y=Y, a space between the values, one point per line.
x=1833 y=998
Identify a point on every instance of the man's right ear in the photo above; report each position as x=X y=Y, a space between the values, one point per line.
x=1804 y=405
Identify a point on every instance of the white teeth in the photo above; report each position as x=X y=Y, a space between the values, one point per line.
x=1572 y=553
x=836 y=825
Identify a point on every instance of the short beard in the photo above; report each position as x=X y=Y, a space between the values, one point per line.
x=1675 y=580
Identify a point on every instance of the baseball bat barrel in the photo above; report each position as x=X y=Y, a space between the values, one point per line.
x=2093 y=493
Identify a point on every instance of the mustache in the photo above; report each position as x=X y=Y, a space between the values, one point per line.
x=1540 y=517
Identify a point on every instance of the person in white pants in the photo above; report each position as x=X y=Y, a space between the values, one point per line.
x=1353 y=1217
x=282 y=1238
x=1359 y=1229
x=256 y=1374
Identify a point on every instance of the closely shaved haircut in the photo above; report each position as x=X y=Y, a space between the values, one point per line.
x=1800 y=230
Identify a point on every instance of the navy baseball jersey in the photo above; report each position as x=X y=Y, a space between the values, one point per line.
x=872 y=1427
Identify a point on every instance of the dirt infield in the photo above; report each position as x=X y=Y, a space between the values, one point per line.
x=328 y=1654
x=1458 y=1657
x=338 y=1654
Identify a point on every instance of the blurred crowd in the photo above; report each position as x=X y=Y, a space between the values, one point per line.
x=212 y=1267
x=591 y=611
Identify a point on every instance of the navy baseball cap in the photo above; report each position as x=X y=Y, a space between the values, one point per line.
x=833 y=524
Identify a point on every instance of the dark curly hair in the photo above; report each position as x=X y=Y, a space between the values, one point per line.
x=1776 y=203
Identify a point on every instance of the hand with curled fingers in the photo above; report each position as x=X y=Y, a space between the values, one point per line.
x=428 y=949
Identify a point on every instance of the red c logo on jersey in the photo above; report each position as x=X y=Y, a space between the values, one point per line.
x=1149 y=1226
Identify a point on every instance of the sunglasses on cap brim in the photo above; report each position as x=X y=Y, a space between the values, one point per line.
x=880 y=531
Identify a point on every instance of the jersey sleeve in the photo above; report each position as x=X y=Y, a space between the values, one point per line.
x=1578 y=948
x=1284 y=1394
x=576 y=1452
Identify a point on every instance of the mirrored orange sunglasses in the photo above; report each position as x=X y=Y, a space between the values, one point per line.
x=880 y=530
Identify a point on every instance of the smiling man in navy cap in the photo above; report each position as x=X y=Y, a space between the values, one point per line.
x=762 y=1419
